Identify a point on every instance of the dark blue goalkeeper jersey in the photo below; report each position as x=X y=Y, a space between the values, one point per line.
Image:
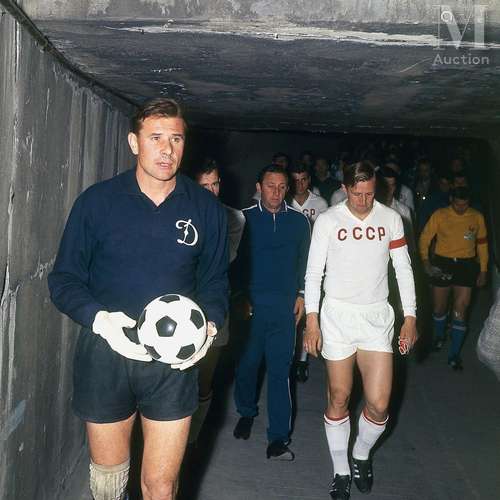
x=119 y=250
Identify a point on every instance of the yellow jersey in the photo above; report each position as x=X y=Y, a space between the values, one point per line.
x=457 y=236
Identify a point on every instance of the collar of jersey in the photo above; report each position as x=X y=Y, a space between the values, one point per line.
x=361 y=221
x=131 y=186
x=283 y=208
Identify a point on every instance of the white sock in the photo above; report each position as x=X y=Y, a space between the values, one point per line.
x=337 y=435
x=368 y=433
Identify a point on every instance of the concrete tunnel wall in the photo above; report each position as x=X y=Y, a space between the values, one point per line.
x=57 y=138
x=374 y=11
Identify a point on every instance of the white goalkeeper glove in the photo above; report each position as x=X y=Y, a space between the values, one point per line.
x=211 y=333
x=110 y=326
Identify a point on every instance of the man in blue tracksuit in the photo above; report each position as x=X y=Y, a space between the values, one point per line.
x=147 y=232
x=273 y=258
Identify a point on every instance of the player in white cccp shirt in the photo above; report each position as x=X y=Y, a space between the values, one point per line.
x=311 y=205
x=304 y=200
x=355 y=240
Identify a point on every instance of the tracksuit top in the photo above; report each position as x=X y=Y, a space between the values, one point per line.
x=119 y=250
x=273 y=254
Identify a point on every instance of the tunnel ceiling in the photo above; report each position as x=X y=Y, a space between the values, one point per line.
x=289 y=68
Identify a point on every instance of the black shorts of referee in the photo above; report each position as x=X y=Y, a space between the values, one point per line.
x=456 y=272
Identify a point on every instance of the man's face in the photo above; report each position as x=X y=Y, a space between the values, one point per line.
x=460 y=182
x=301 y=182
x=394 y=167
x=360 y=197
x=307 y=160
x=459 y=206
x=210 y=181
x=424 y=170
x=159 y=147
x=391 y=187
x=444 y=185
x=281 y=161
x=273 y=190
x=321 y=167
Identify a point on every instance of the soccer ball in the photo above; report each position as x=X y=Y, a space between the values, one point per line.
x=172 y=328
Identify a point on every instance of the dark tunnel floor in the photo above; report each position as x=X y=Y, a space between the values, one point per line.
x=443 y=443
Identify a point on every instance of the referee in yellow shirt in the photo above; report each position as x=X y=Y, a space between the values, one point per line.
x=461 y=241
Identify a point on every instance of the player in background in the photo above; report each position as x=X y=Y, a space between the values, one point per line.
x=282 y=160
x=323 y=181
x=208 y=176
x=147 y=232
x=272 y=259
x=311 y=205
x=354 y=240
x=460 y=233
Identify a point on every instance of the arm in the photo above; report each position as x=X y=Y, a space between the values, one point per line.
x=236 y=224
x=304 y=244
x=404 y=275
x=482 y=251
x=428 y=233
x=318 y=252
x=211 y=273
x=69 y=279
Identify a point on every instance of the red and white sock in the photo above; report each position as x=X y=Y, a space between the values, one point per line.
x=368 y=433
x=337 y=435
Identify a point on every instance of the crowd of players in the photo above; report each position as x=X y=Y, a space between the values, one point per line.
x=446 y=240
x=416 y=192
x=151 y=231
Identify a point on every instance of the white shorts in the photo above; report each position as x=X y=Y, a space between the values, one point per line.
x=348 y=327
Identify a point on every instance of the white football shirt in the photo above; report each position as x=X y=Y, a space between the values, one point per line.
x=312 y=207
x=356 y=254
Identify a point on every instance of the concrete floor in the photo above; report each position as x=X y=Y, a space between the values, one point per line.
x=443 y=442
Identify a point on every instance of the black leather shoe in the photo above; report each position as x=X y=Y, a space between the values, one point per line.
x=278 y=450
x=341 y=487
x=243 y=428
x=362 y=474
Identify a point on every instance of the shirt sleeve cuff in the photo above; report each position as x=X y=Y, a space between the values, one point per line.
x=409 y=311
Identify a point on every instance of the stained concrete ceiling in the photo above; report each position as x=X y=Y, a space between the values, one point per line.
x=383 y=65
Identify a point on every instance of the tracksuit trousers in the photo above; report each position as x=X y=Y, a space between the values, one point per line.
x=272 y=337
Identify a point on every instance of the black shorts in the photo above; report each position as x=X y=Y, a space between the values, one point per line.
x=109 y=387
x=458 y=272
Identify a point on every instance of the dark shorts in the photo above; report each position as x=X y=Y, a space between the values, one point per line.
x=458 y=272
x=109 y=387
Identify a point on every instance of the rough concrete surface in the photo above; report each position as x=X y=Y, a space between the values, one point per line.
x=56 y=139
x=251 y=76
x=393 y=11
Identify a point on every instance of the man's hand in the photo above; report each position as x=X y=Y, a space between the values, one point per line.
x=211 y=333
x=110 y=327
x=481 y=279
x=242 y=308
x=408 y=335
x=298 y=309
x=432 y=271
x=312 y=335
